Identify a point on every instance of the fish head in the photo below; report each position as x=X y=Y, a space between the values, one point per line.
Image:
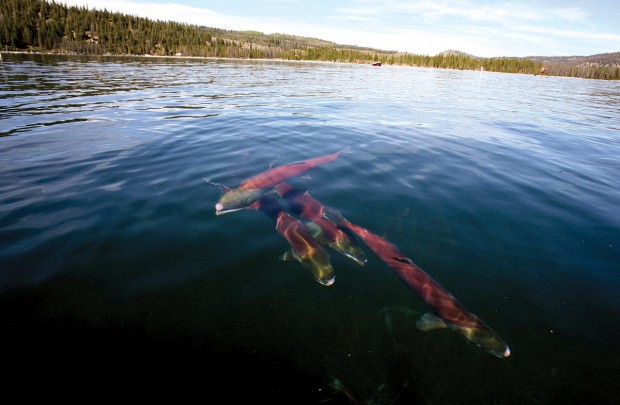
x=484 y=338
x=305 y=248
x=348 y=247
x=235 y=200
x=319 y=267
x=316 y=262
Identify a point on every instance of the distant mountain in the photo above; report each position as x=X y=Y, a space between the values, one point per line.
x=611 y=60
x=602 y=59
x=599 y=66
x=451 y=52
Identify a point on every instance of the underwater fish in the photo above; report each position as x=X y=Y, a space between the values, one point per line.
x=304 y=248
x=449 y=312
x=252 y=189
x=325 y=232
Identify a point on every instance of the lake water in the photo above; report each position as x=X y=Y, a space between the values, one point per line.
x=504 y=188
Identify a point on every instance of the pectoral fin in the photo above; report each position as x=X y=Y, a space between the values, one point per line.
x=289 y=255
x=273 y=192
x=316 y=232
x=429 y=322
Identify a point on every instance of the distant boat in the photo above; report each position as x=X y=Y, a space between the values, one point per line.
x=377 y=64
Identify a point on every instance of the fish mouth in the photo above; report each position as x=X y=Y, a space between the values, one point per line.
x=359 y=259
x=327 y=282
x=357 y=255
x=223 y=211
x=501 y=355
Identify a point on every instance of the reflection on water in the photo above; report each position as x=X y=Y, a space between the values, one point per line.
x=504 y=188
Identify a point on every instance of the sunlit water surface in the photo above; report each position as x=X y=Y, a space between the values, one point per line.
x=504 y=188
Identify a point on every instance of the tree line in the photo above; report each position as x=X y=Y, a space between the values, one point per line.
x=47 y=26
x=600 y=66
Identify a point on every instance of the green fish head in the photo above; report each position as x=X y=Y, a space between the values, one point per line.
x=350 y=249
x=484 y=338
x=320 y=267
x=235 y=200
x=318 y=264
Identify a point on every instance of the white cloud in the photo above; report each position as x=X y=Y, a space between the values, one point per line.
x=570 y=14
x=366 y=10
x=572 y=34
x=471 y=10
x=351 y=17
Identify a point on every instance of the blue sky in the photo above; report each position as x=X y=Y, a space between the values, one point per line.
x=483 y=28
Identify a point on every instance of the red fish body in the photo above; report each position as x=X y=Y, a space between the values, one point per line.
x=302 y=204
x=276 y=175
x=252 y=189
x=452 y=313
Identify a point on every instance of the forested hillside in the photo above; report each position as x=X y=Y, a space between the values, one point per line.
x=47 y=26
x=597 y=66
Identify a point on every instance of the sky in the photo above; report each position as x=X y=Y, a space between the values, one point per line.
x=484 y=28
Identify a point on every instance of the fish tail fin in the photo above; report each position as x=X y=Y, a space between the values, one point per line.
x=344 y=150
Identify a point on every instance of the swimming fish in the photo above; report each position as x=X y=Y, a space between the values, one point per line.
x=449 y=312
x=304 y=248
x=325 y=232
x=252 y=189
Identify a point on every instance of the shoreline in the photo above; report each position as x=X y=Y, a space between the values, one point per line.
x=147 y=56
x=215 y=58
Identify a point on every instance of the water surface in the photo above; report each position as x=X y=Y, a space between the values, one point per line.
x=505 y=188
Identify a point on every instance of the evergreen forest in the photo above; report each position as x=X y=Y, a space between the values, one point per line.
x=48 y=26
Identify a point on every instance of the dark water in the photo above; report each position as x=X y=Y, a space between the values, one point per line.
x=113 y=266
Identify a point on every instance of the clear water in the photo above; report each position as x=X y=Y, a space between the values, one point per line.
x=505 y=188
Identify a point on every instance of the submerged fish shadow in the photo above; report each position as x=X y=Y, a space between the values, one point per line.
x=270 y=206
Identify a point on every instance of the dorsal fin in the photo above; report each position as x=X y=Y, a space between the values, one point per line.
x=404 y=260
x=272 y=163
x=223 y=188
